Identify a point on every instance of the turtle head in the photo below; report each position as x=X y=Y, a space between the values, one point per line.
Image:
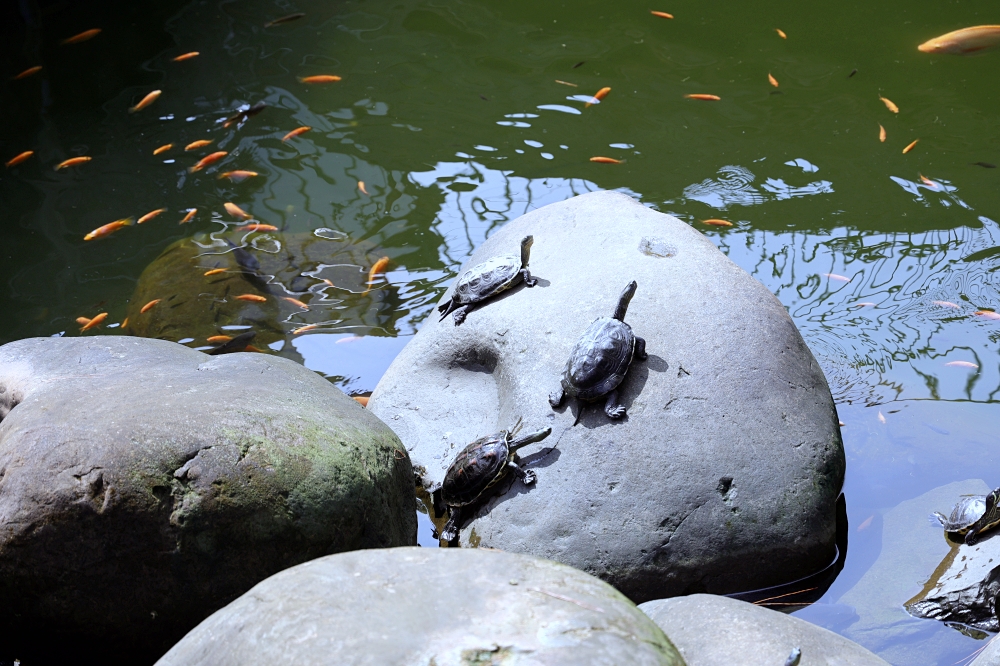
x=526 y=249
x=624 y=300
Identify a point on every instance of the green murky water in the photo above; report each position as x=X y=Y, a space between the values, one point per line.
x=450 y=114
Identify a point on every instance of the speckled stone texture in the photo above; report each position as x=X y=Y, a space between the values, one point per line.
x=421 y=606
x=144 y=485
x=725 y=473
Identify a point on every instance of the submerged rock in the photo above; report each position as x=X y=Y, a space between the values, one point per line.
x=725 y=473
x=709 y=630
x=427 y=606
x=144 y=485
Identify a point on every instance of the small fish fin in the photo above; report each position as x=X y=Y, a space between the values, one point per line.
x=129 y=222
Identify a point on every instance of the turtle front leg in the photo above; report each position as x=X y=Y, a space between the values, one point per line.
x=640 y=348
x=971 y=537
x=459 y=314
x=556 y=397
x=450 y=530
x=527 y=476
x=612 y=408
x=528 y=280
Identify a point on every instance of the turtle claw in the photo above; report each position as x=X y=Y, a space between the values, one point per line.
x=529 y=478
x=459 y=314
x=528 y=280
x=612 y=408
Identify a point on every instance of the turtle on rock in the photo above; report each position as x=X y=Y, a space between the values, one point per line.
x=965 y=514
x=488 y=279
x=988 y=521
x=600 y=359
x=479 y=466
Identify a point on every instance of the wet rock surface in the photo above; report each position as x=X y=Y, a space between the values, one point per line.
x=427 y=606
x=144 y=485
x=709 y=630
x=725 y=472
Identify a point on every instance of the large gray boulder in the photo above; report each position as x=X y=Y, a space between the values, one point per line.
x=725 y=473
x=144 y=485
x=990 y=656
x=710 y=630
x=427 y=606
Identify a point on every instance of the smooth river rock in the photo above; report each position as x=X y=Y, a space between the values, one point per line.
x=710 y=630
x=144 y=485
x=725 y=473
x=420 y=606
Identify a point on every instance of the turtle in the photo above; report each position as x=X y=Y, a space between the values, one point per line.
x=989 y=519
x=600 y=359
x=488 y=279
x=965 y=514
x=479 y=466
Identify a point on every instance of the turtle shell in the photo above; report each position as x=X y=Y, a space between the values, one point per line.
x=600 y=359
x=488 y=279
x=964 y=515
x=477 y=467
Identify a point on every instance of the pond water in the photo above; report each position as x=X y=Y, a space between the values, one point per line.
x=458 y=116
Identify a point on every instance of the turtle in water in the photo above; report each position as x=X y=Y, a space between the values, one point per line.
x=965 y=514
x=488 y=279
x=600 y=359
x=989 y=519
x=479 y=466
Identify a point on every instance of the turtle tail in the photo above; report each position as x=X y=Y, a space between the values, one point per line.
x=446 y=308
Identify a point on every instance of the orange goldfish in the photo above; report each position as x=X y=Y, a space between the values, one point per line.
x=772 y=80
x=378 y=268
x=146 y=101
x=361 y=186
x=362 y=400
x=214 y=271
x=566 y=83
x=95 y=322
x=149 y=306
x=207 y=160
x=305 y=328
x=164 y=148
x=889 y=105
x=598 y=96
x=964 y=41
x=236 y=211
x=662 y=14
x=910 y=147
x=251 y=297
x=149 y=216
x=218 y=338
x=82 y=37
x=295 y=132
x=109 y=228
x=194 y=145
x=28 y=72
x=257 y=226
x=319 y=78
x=605 y=160
x=187 y=218
x=717 y=223
x=881 y=134
x=296 y=302
x=987 y=314
x=186 y=56
x=82 y=321
x=781 y=33
x=20 y=158
x=927 y=181
x=125 y=322
x=237 y=176
x=73 y=161
x=706 y=98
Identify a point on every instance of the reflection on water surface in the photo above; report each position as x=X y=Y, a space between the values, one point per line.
x=458 y=117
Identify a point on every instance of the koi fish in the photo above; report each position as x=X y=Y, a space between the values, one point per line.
x=910 y=147
x=215 y=339
x=28 y=72
x=987 y=314
x=328 y=283
x=862 y=305
x=125 y=322
x=73 y=161
x=82 y=321
x=773 y=81
x=945 y=304
x=19 y=158
x=254 y=298
x=985 y=165
x=214 y=271
x=781 y=33
x=579 y=64
x=296 y=132
x=706 y=98
x=236 y=211
x=95 y=322
x=82 y=37
x=187 y=218
x=257 y=226
x=194 y=145
x=350 y=338
x=889 y=105
x=284 y=19
x=928 y=182
x=717 y=223
x=662 y=14
x=378 y=269
x=251 y=348
x=853 y=72
x=598 y=96
x=150 y=215
x=240 y=116
x=880 y=417
x=838 y=278
x=237 y=344
x=296 y=302
x=149 y=306
x=238 y=176
x=109 y=228
x=186 y=56
x=881 y=134
x=361 y=186
x=319 y=78
x=566 y=83
x=164 y=148
x=961 y=364
x=363 y=399
x=605 y=160
x=146 y=101
x=964 y=41
x=303 y=329
x=207 y=160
